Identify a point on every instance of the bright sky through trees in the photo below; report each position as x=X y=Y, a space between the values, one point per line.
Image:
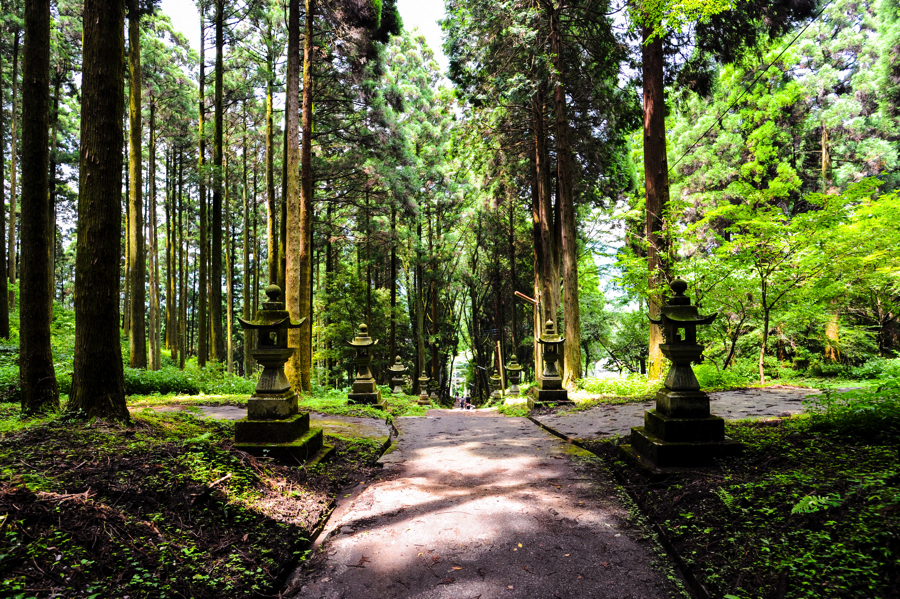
x=423 y=14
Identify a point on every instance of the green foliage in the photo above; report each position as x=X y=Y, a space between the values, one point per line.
x=712 y=378
x=815 y=503
x=634 y=385
x=518 y=410
x=869 y=413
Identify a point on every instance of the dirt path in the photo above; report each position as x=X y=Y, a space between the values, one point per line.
x=479 y=505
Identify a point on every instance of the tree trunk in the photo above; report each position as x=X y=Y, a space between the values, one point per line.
x=656 y=175
x=98 y=387
x=4 y=281
x=295 y=244
x=155 y=353
x=54 y=137
x=271 y=205
x=182 y=267
x=572 y=310
x=229 y=274
x=171 y=270
x=13 y=154
x=137 y=340
x=217 y=340
x=393 y=340
x=202 y=334
x=248 y=288
x=283 y=207
x=537 y=245
x=37 y=377
x=306 y=200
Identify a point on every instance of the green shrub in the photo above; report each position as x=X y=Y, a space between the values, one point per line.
x=162 y=382
x=711 y=377
x=877 y=368
x=631 y=386
x=871 y=413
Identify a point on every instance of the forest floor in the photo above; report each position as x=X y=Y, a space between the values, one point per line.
x=163 y=508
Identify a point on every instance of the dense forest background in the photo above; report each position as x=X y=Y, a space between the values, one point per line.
x=431 y=198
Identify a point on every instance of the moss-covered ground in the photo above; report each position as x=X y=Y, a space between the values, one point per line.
x=806 y=512
x=165 y=507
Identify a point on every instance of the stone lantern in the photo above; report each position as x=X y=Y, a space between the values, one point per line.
x=550 y=389
x=496 y=383
x=423 y=387
x=680 y=431
x=398 y=372
x=273 y=426
x=364 y=391
x=513 y=375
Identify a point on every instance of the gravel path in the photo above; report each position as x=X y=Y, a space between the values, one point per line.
x=610 y=420
x=480 y=505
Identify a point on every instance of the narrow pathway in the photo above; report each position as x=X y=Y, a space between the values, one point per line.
x=480 y=505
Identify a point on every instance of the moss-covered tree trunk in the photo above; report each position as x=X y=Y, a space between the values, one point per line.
x=245 y=226
x=137 y=339
x=38 y=379
x=271 y=203
x=98 y=388
x=294 y=292
x=656 y=175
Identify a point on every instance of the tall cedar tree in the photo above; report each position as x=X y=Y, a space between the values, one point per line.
x=4 y=288
x=38 y=379
x=98 y=387
x=217 y=339
x=295 y=290
x=137 y=340
x=656 y=175
x=202 y=337
x=13 y=149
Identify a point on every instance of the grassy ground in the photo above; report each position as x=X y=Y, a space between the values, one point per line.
x=163 y=508
x=807 y=511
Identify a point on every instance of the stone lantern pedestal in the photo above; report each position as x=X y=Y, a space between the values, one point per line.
x=398 y=370
x=274 y=427
x=365 y=391
x=423 y=390
x=513 y=375
x=680 y=432
x=550 y=389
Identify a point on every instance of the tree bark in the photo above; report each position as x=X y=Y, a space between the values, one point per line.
x=54 y=137
x=656 y=175
x=572 y=310
x=229 y=276
x=295 y=246
x=13 y=154
x=305 y=208
x=155 y=353
x=393 y=340
x=271 y=204
x=37 y=377
x=217 y=339
x=98 y=387
x=171 y=270
x=4 y=281
x=137 y=340
x=202 y=334
x=182 y=267
x=248 y=288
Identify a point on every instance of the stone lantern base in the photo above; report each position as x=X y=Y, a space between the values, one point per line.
x=366 y=392
x=274 y=428
x=397 y=384
x=548 y=391
x=680 y=432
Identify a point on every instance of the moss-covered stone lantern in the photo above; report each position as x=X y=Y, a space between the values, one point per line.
x=423 y=390
x=364 y=390
x=513 y=375
x=398 y=376
x=680 y=431
x=274 y=427
x=549 y=388
x=496 y=383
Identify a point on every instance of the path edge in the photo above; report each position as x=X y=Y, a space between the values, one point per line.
x=696 y=587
